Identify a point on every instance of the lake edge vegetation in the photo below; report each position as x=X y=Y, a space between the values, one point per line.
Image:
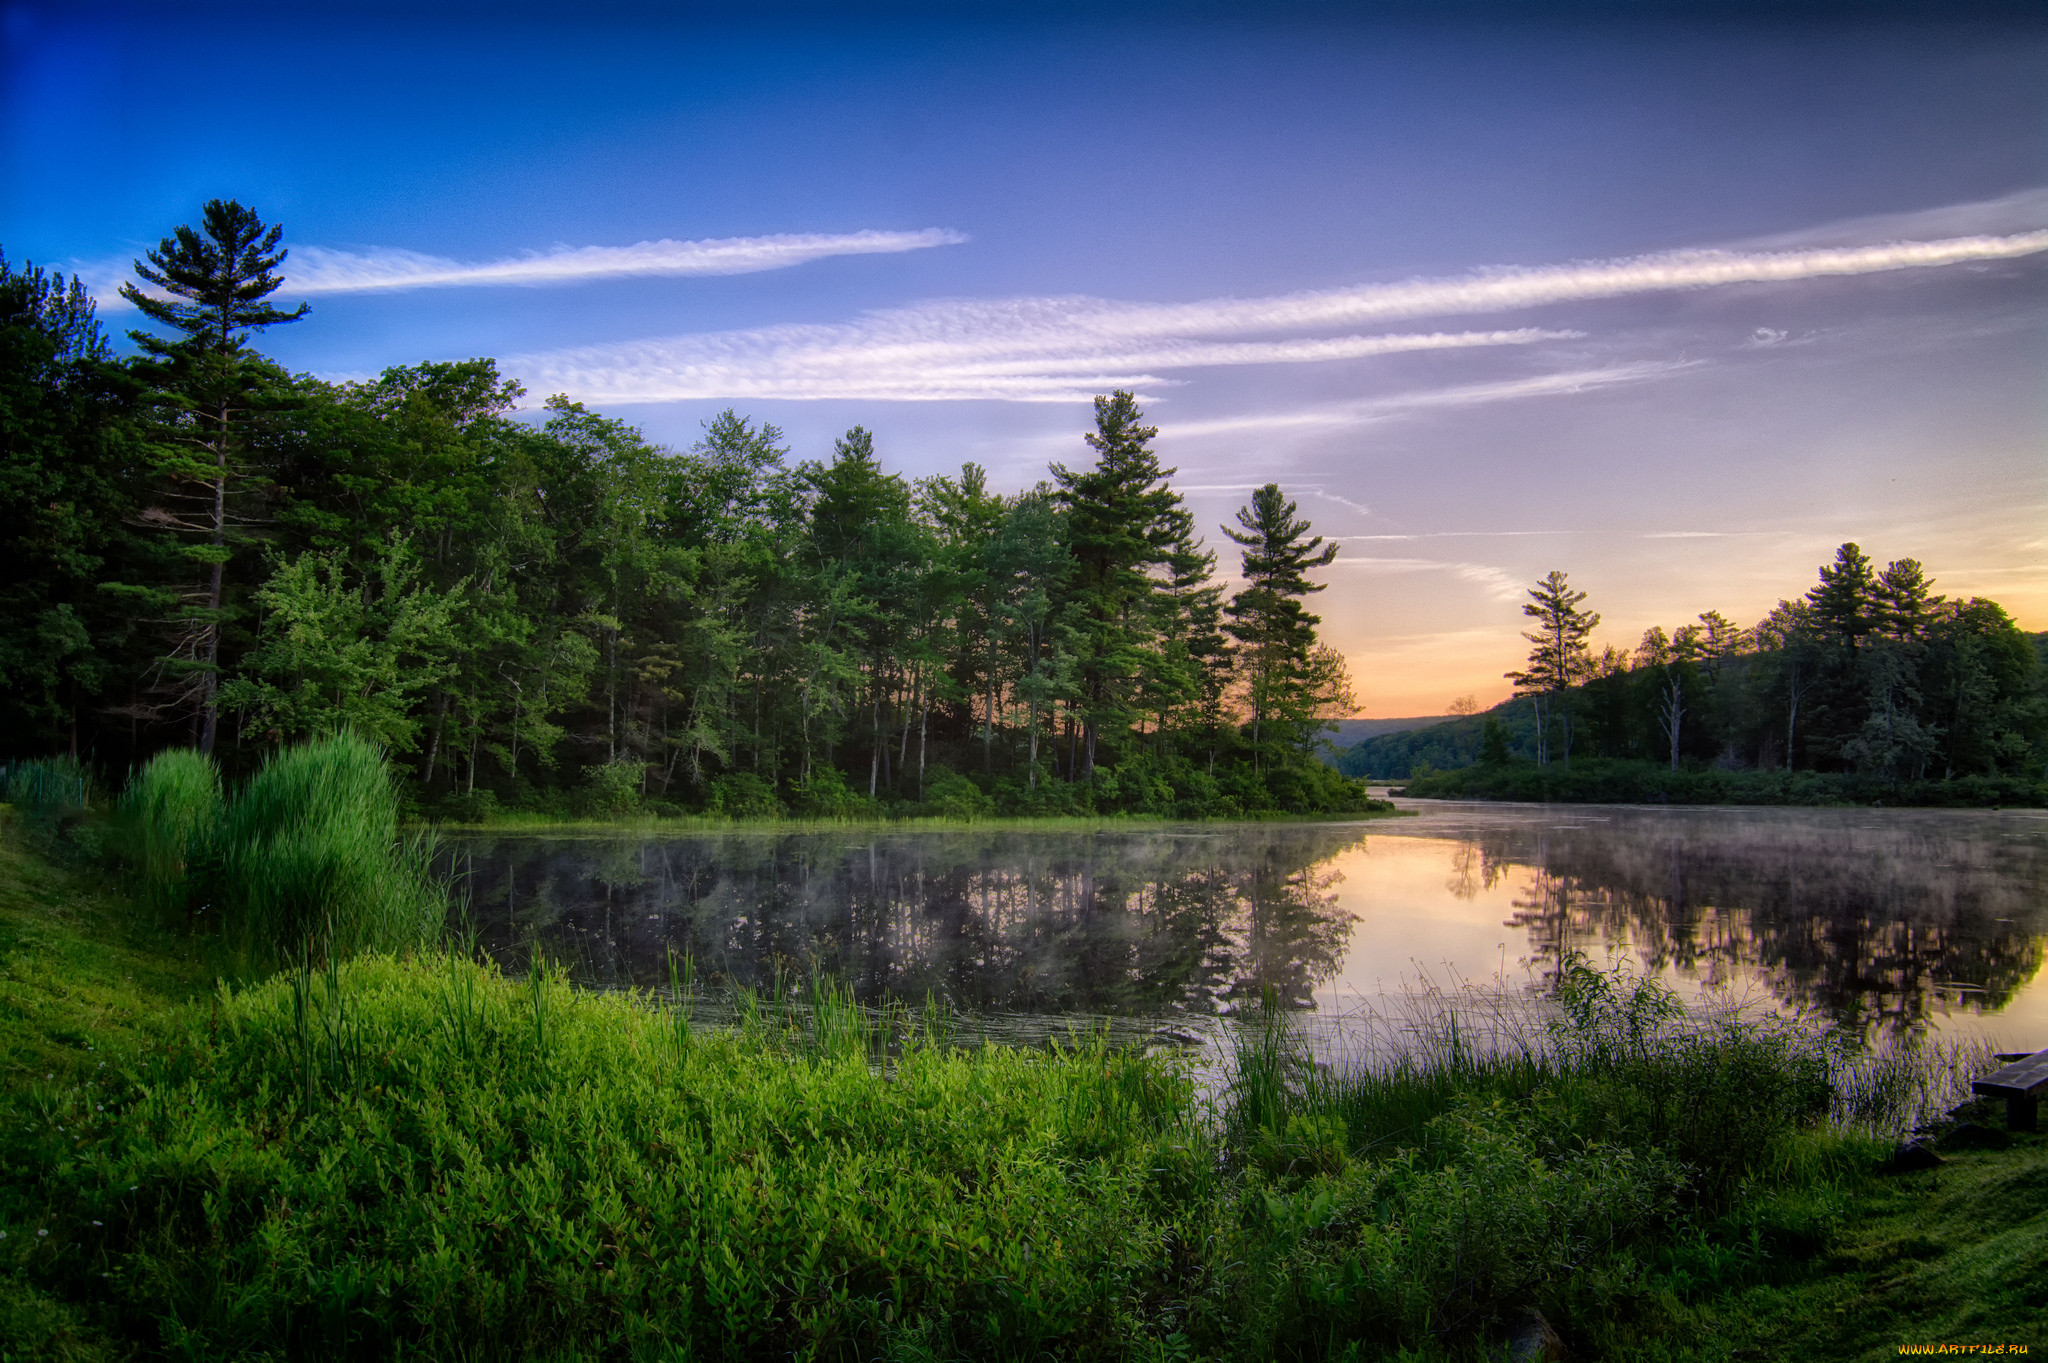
x=1869 y=689
x=364 y=1151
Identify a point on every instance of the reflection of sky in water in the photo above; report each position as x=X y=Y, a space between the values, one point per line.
x=1946 y=908
x=1884 y=919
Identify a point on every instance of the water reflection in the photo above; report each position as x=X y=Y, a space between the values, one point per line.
x=1149 y=923
x=1881 y=919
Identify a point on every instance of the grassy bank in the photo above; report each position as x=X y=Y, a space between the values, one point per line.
x=419 y=1155
x=1599 y=780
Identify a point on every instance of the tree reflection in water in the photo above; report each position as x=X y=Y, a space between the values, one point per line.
x=1882 y=920
x=1199 y=920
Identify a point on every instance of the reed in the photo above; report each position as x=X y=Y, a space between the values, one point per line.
x=312 y=859
x=170 y=822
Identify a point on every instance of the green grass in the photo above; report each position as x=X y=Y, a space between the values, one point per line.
x=1956 y=1255
x=169 y=821
x=418 y=1155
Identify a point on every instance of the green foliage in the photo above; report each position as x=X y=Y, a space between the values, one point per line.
x=825 y=795
x=613 y=788
x=743 y=795
x=170 y=815
x=335 y=653
x=311 y=859
x=423 y=1156
x=1611 y=781
x=949 y=795
x=1493 y=743
x=68 y=499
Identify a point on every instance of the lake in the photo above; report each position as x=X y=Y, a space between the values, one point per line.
x=1880 y=920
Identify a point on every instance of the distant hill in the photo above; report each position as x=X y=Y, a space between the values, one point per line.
x=1440 y=743
x=1351 y=732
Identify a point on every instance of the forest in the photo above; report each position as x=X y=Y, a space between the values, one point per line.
x=547 y=611
x=1869 y=685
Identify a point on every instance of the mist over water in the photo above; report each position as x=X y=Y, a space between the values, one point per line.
x=1884 y=921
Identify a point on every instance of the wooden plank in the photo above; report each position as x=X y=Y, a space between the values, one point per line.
x=2020 y=1084
x=2022 y=1079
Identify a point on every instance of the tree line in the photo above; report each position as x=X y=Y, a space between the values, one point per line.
x=204 y=549
x=1870 y=675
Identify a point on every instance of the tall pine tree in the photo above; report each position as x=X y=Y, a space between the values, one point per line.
x=209 y=291
x=1276 y=633
x=1123 y=522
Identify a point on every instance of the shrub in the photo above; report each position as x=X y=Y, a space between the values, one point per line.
x=825 y=795
x=613 y=788
x=311 y=859
x=170 y=821
x=743 y=795
x=950 y=795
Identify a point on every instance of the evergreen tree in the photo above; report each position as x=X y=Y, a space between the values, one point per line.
x=208 y=379
x=67 y=490
x=1559 y=658
x=1276 y=633
x=1123 y=522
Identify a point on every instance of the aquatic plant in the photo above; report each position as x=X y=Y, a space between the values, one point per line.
x=312 y=859
x=170 y=820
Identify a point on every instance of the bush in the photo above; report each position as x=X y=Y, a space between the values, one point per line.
x=170 y=820
x=742 y=795
x=949 y=795
x=825 y=795
x=614 y=788
x=311 y=860
x=473 y=806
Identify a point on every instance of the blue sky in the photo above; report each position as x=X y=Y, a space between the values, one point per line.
x=1673 y=306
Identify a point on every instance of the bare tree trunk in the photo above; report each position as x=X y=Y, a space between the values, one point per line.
x=875 y=756
x=1031 y=777
x=209 y=679
x=1671 y=714
x=434 y=747
x=1791 y=719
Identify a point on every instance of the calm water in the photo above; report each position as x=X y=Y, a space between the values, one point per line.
x=1884 y=920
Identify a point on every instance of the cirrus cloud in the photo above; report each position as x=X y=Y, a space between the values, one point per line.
x=1058 y=349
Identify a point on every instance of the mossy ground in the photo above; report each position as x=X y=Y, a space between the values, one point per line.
x=1953 y=1255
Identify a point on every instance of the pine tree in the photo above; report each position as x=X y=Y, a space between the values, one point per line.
x=1560 y=658
x=208 y=379
x=1122 y=523
x=1267 y=618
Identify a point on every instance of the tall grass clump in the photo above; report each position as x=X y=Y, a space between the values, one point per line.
x=170 y=818
x=312 y=860
x=49 y=795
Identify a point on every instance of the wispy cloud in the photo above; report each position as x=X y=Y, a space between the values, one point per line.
x=1063 y=348
x=2024 y=211
x=1026 y=350
x=1497 y=583
x=317 y=270
x=1336 y=414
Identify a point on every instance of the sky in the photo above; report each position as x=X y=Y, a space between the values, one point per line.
x=1674 y=305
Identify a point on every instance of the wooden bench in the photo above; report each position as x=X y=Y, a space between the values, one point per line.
x=2021 y=1084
